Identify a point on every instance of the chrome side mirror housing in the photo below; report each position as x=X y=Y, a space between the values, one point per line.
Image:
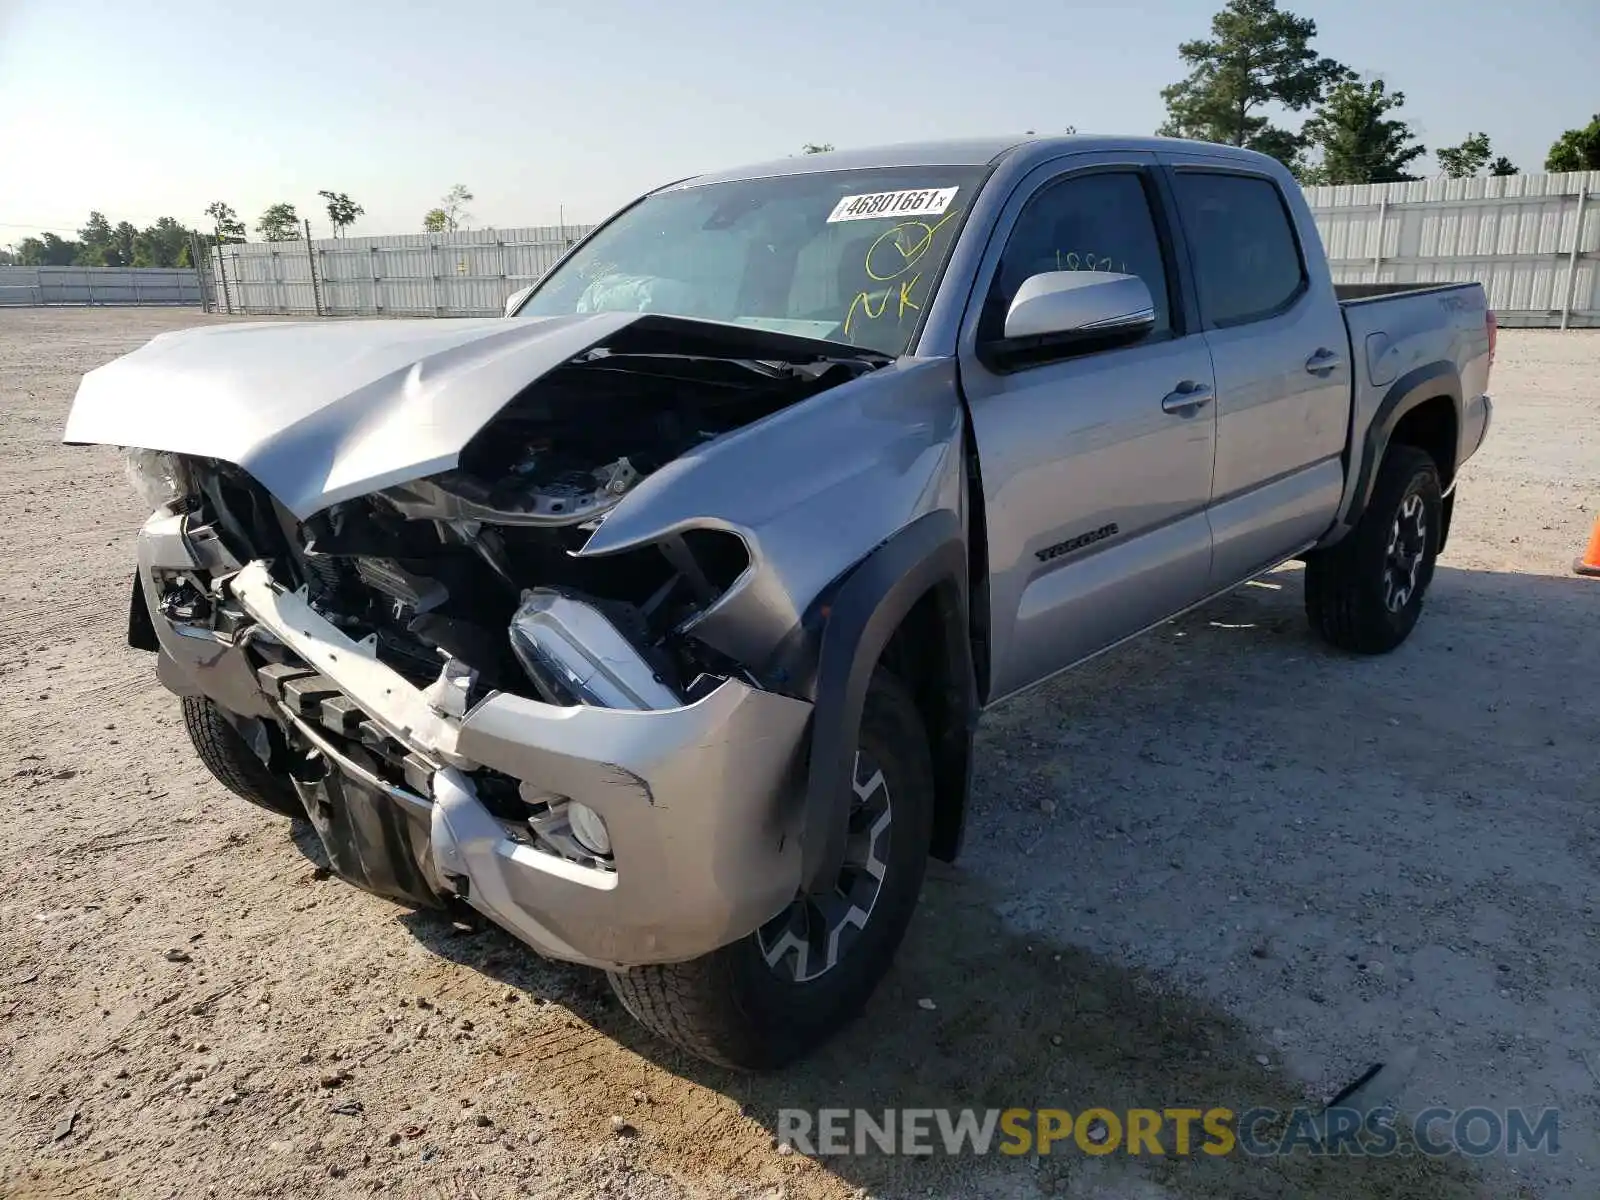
x=1104 y=303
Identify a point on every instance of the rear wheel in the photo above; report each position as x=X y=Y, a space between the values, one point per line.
x=236 y=766
x=774 y=995
x=1365 y=593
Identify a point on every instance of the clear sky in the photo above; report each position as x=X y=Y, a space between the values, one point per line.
x=574 y=106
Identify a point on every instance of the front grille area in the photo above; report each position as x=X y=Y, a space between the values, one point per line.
x=316 y=700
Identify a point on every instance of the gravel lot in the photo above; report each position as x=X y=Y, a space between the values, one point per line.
x=1223 y=865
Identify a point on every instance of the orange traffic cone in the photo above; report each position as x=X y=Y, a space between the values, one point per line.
x=1589 y=564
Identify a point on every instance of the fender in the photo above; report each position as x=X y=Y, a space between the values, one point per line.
x=865 y=611
x=1412 y=389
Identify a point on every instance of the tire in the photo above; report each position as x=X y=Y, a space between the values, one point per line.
x=736 y=1008
x=229 y=757
x=1365 y=593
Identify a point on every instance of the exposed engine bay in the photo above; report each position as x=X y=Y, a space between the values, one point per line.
x=475 y=566
x=555 y=617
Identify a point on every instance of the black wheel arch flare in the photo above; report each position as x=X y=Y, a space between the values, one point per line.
x=1413 y=389
x=865 y=610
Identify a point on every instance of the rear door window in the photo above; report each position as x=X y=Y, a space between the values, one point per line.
x=1247 y=263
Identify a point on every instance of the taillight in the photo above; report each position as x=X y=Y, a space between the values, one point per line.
x=1491 y=325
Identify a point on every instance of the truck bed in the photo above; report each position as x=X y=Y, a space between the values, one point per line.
x=1356 y=293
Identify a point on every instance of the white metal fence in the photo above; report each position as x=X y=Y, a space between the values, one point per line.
x=468 y=273
x=99 y=285
x=1533 y=241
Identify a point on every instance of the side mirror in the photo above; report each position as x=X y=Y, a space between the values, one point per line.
x=514 y=301
x=1102 y=307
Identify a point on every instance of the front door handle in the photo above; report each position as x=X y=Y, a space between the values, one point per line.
x=1188 y=398
x=1323 y=361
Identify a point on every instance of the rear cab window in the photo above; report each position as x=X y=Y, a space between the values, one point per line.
x=1242 y=243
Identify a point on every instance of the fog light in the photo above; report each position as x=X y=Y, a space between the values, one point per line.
x=590 y=829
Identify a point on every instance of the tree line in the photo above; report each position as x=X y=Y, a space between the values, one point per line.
x=168 y=242
x=1259 y=56
x=1258 y=59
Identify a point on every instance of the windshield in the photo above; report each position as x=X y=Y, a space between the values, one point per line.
x=850 y=256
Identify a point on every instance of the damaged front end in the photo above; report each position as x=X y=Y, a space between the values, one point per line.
x=565 y=678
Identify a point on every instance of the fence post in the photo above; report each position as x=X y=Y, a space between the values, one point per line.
x=311 y=262
x=1572 y=260
x=1383 y=215
x=199 y=278
x=222 y=273
x=437 y=290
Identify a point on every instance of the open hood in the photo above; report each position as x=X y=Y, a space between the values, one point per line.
x=320 y=412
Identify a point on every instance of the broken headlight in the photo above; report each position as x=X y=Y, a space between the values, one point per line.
x=573 y=654
x=160 y=478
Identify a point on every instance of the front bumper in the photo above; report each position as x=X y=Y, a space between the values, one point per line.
x=702 y=802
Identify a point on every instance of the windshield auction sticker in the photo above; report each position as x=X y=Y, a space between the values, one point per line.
x=913 y=202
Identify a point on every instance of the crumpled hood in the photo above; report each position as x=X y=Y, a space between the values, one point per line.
x=323 y=411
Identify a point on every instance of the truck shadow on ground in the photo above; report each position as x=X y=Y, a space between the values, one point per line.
x=1016 y=1023
x=1022 y=1022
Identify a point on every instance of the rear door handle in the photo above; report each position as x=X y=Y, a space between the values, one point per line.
x=1323 y=361
x=1188 y=398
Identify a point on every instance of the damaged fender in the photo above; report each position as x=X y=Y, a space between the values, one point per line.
x=811 y=491
x=861 y=503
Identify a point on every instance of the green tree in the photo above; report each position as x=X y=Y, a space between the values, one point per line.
x=435 y=220
x=280 y=223
x=816 y=147
x=342 y=211
x=1467 y=159
x=95 y=247
x=1503 y=166
x=47 y=250
x=1358 y=141
x=1256 y=55
x=1576 y=149
x=228 y=229
x=164 y=244
x=123 y=238
x=454 y=206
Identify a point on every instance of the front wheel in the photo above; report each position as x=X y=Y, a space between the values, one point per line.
x=776 y=994
x=234 y=764
x=1364 y=594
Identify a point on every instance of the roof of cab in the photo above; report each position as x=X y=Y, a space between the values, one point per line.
x=962 y=152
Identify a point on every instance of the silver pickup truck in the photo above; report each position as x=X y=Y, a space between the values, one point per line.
x=654 y=619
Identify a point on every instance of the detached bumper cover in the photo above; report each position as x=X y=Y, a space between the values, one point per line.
x=702 y=802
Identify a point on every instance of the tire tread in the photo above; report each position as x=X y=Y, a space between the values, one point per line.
x=226 y=755
x=700 y=1005
x=1341 y=603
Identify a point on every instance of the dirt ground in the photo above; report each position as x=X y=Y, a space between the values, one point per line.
x=1222 y=866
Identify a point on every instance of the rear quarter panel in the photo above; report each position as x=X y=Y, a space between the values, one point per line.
x=1433 y=340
